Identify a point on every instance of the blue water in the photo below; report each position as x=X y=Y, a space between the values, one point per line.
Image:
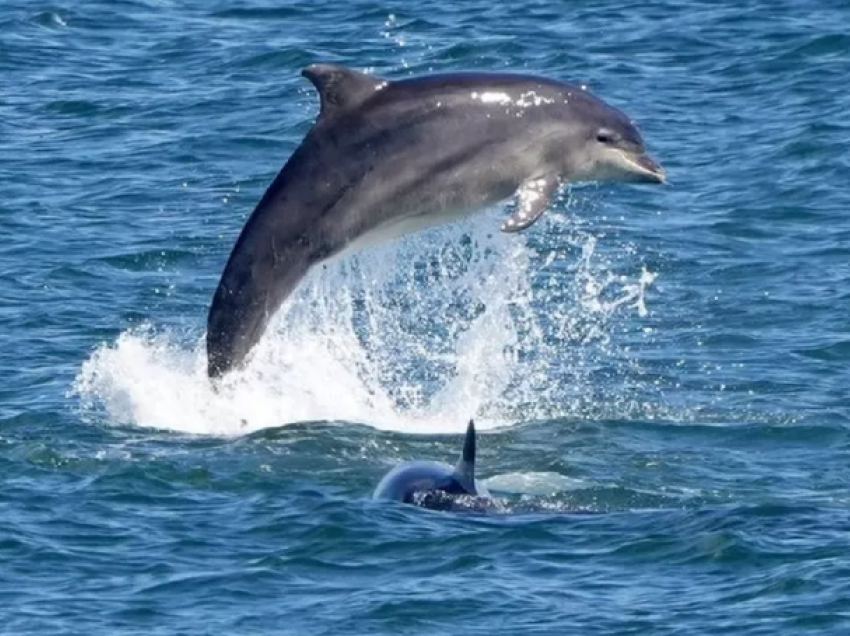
x=675 y=359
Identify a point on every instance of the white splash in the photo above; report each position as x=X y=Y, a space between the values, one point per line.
x=418 y=336
x=535 y=483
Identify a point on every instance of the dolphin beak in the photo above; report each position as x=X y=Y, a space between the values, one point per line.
x=652 y=167
x=645 y=168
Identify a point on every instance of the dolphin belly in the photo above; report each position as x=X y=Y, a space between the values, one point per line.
x=415 y=222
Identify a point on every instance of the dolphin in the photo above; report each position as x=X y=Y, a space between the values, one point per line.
x=407 y=480
x=386 y=158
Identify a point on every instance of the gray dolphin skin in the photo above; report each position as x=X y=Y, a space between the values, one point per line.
x=406 y=480
x=387 y=158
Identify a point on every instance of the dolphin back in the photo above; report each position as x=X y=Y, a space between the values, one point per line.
x=409 y=478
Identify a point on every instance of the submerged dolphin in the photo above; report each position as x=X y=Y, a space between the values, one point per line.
x=406 y=480
x=386 y=158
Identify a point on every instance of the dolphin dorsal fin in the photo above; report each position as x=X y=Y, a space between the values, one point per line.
x=465 y=469
x=341 y=88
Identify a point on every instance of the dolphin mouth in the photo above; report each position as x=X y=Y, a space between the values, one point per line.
x=645 y=168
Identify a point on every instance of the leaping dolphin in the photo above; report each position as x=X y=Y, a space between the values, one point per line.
x=407 y=480
x=386 y=158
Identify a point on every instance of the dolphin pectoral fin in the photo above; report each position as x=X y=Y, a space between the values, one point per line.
x=533 y=197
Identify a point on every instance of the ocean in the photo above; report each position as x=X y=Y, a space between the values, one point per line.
x=659 y=374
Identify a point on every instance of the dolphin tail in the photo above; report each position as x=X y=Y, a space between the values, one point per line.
x=254 y=284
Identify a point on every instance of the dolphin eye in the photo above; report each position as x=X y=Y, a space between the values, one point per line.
x=605 y=137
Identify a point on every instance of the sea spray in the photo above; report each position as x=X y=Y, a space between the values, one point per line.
x=417 y=335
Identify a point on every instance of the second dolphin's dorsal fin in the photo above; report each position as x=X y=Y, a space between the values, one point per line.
x=341 y=88
x=465 y=469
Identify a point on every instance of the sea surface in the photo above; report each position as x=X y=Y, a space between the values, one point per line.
x=660 y=374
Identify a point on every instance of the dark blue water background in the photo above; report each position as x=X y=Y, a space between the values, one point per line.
x=675 y=358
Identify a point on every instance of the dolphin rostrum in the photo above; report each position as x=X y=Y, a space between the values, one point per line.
x=386 y=158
